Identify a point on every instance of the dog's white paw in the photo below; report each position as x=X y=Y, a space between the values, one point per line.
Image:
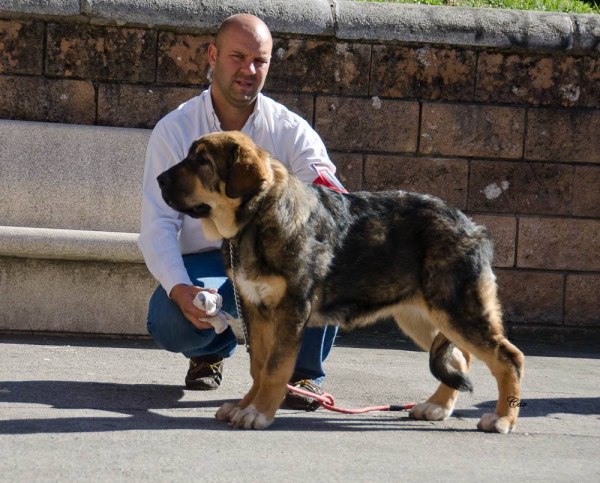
x=430 y=412
x=249 y=418
x=224 y=411
x=492 y=423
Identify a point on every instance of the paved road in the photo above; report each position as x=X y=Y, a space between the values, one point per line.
x=106 y=410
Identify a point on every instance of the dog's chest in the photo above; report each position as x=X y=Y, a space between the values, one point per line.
x=265 y=290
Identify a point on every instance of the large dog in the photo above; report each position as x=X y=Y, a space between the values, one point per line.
x=304 y=255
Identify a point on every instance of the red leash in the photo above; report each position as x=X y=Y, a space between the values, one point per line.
x=326 y=400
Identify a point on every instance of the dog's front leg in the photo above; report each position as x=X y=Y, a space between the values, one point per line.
x=260 y=332
x=281 y=352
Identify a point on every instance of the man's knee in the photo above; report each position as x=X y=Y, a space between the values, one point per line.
x=170 y=329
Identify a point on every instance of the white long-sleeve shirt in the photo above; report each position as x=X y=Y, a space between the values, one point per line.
x=167 y=234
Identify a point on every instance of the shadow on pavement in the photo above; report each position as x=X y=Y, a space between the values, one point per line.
x=138 y=406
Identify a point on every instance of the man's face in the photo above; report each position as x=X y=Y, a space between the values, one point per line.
x=240 y=64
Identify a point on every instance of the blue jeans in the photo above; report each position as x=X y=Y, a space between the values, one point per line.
x=173 y=332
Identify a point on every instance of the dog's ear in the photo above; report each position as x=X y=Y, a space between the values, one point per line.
x=248 y=169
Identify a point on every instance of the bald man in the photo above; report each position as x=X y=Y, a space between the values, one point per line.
x=174 y=247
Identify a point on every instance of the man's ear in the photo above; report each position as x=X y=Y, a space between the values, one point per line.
x=248 y=168
x=212 y=55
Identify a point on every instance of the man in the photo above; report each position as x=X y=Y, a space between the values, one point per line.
x=239 y=59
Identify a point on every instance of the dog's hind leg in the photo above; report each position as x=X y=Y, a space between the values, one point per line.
x=415 y=322
x=479 y=330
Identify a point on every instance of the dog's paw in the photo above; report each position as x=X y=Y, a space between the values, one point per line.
x=492 y=423
x=249 y=418
x=225 y=411
x=430 y=412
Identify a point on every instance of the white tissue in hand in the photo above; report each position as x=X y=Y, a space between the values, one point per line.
x=211 y=303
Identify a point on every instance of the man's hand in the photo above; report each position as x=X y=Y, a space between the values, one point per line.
x=183 y=296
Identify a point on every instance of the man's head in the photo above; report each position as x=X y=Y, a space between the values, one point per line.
x=240 y=59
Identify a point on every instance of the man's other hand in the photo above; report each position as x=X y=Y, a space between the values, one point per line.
x=183 y=296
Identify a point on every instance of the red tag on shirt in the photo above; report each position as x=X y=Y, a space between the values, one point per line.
x=327 y=178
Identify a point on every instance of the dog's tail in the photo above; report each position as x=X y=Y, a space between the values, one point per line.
x=440 y=358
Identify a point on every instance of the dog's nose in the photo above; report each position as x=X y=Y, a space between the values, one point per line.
x=164 y=180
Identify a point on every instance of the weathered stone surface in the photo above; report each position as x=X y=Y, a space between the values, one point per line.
x=531 y=297
x=559 y=244
x=586 y=191
x=422 y=73
x=367 y=124
x=70 y=296
x=520 y=187
x=472 y=130
x=504 y=232
x=582 y=300
x=301 y=104
x=310 y=17
x=45 y=7
x=482 y=27
x=444 y=178
x=517 y=78
x=563 y=135
x=103 y=53
x=71 y=177
x=40 y=99
x=182 y=59
x=590 y=83
x=319 y=66
x=21 y=47
x=349 y=169
x=138 y=106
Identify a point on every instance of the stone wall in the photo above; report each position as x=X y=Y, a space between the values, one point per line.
x=496 y=112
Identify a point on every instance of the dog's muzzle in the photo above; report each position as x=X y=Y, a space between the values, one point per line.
x=169 y=194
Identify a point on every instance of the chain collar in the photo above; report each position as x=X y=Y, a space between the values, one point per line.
x=238 y=305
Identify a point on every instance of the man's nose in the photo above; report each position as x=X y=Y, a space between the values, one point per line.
x=164 y=180
x=250 y=67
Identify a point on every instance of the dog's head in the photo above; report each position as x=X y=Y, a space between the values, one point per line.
x=221 y=172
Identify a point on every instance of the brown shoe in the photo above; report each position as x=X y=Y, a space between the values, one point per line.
x=298 y=401
x=205 y=373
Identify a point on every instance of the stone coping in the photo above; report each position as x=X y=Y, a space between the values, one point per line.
x=46 y=243
x=341 y=19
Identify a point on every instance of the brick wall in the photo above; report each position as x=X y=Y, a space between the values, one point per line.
x=510 y=137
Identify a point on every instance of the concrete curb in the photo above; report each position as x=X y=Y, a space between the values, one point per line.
x=343 y=19
x=48 y=243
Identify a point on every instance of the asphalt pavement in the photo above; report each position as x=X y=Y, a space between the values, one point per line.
x=76 y=409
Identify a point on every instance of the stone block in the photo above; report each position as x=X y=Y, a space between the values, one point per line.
x=559 y=244
x=586 y=191
x=582 y=300
x=480 y=27
x=504 y=232
x=71 y=177
x=319 y=66
x=71 y=296
x=444 y=178
x=41 y=99
x=182 y=59
x=563 y=135
x=139 y=106
x=301 y=104
x=525 y=79
x=349 y=169
x=101 y=53
x=521 y=187
x=531 y=297
x=21 y=47
x=425 y=73
x=367 y=124
x=590 y=83
x=472 y=130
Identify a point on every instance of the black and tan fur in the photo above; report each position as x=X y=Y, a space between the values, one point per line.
x=308 y=256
